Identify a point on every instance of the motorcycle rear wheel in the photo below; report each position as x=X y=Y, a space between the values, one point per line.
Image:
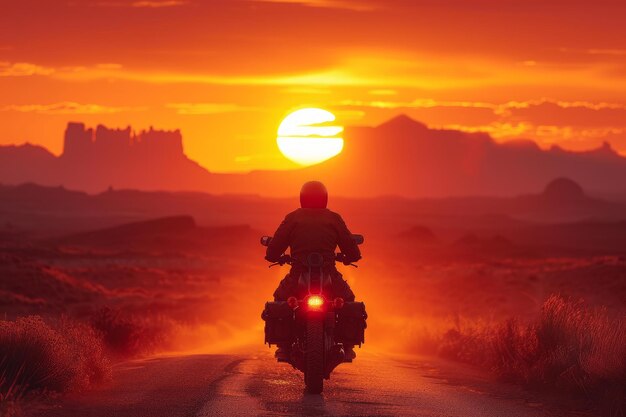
x=314 y=371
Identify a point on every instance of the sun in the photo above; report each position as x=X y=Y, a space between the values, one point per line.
x=307 y=137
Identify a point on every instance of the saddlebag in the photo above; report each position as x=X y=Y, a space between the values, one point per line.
x=278 y=318
x=350 y=327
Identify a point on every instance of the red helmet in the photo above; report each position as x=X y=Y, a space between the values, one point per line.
x=313 y=195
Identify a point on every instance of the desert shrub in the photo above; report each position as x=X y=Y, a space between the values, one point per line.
x=570 y=348
x=465 y=341
x=37 y=356
x=127 y=336
x=581 y=350
x=511 y=350
x=465 y=345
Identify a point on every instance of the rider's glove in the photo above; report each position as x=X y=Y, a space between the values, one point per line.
x=342 y=258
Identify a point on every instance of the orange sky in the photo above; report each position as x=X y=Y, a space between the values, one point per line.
x=225 y=72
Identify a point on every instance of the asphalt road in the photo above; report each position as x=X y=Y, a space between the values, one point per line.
x=253 y=384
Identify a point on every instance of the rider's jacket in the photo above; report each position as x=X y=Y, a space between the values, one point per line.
x=308 y=230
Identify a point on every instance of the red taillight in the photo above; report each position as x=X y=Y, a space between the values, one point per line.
x=315 y=301
x=292 y=302
x=338 y=303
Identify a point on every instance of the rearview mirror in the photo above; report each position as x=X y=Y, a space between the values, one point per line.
x=265 y=240
x=358 y=239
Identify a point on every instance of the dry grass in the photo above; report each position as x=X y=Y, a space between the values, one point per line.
x=126 y=336
x=37 y=356
x=571 y=349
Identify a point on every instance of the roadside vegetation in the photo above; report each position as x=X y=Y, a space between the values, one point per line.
x=40 y=357
x=127 y=336
x=569 y=349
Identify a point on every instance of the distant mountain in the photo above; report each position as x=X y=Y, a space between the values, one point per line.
x=26 y=163
x=55 y=211
x=146 y=230
x=166 y=221
x=399 y=157
x=161 y=234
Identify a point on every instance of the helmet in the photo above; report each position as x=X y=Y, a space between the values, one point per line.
x=313 y=195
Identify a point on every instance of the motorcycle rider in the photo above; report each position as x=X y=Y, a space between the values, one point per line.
x=313 y=229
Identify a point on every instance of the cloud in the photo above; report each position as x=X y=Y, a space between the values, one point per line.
x=150 y=4
x=68 y=107
x=206 y=108
x=383 y=92
x=418 y=103
x=23 y=69
x=432 y=112
x=542 y=112
x=108 y=71
x=563 y=113
x=596 y=51
x=377 y=70
x=353 y=5
x=615 y=52
x=157 y=4
x=331 y=77
x=564 y=104
x=306 y=90
x=109 y=66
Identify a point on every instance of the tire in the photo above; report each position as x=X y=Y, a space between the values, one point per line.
x=314 y=373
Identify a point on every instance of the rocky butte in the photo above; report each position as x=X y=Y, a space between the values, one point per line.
x=104 y=143
x=100 y=158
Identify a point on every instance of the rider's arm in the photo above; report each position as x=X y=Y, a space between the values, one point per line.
x=346 y=244
x=280 y=242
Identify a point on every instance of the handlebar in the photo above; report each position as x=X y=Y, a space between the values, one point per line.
x=284 y=259
x=358 y=239
x=287 y=259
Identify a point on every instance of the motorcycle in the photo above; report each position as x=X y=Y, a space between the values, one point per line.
x=317 y=326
